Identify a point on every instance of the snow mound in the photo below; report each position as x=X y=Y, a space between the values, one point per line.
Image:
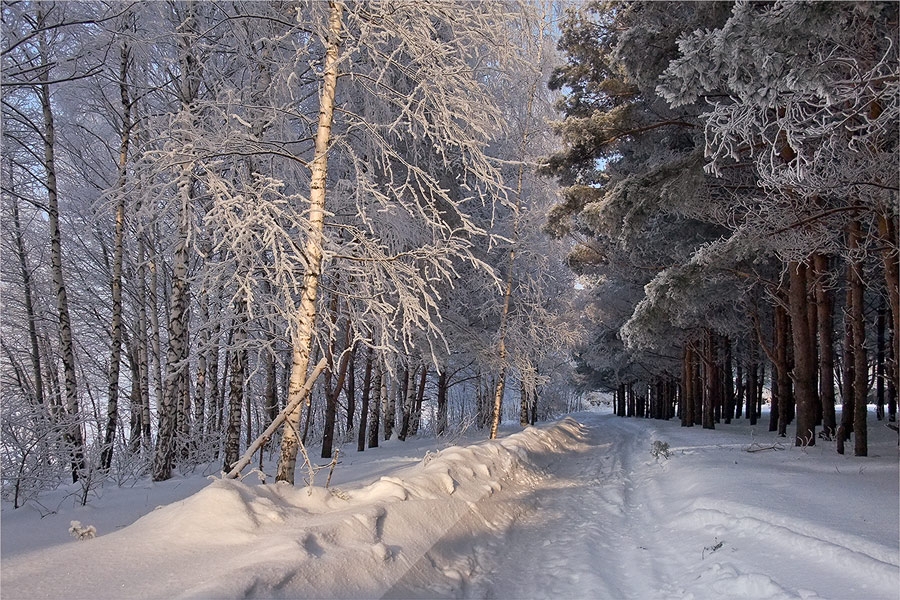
x=235 y=540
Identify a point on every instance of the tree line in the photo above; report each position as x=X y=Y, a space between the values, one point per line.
x=731 y=183
x=225 y=216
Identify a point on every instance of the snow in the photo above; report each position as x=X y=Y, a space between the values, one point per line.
x=573 y=509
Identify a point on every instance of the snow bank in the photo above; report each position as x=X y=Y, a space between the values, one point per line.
x=234 y=540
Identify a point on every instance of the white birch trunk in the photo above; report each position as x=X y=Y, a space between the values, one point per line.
x=115 y=360
x=72 y=434
x=303 y=335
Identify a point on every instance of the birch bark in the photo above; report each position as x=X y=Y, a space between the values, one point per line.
x=303 y=334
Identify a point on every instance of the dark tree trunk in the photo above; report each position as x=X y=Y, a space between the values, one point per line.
x=687 y=370
x=442 y=403
x=351 y=388
x=333 y=392
x=523 y=404
x=825 y=325
x=752 y=385
x=860 y=365
x=404 y=402
x=891 y=369
x=375 y=405
x=879 y=363
x=236 y=393
x=782 y=372
x=629 y=405
x=728 y=381
x=887 y=228
x=697 y=386
x=271 y=397
x=711 y=387
x=364 y=406
x=804 y=360
x=847 y=370
x=420 y=398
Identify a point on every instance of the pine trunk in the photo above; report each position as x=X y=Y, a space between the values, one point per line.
x=887 y=228
x=860 y=364
x=879 y=363
x=687 y=408
x=804 y=361
x=780 y=410
x=728 y=383
x=847 y=368
x=752 y=385
x=711 y=388
x=825 y=325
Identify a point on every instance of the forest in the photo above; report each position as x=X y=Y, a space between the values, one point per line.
x=731 y=174
x=238 y=228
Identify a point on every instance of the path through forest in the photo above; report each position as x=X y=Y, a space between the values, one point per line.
x=611 y=521
x=574 y=509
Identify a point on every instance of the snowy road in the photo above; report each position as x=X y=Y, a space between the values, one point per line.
x=568 y=510
x=610 y=521
x=567 y=534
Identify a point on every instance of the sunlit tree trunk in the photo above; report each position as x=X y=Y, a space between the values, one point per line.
x=305 y=328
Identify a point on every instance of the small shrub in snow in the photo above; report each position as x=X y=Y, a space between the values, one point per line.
x=337 y=493
x=711 y=549
x=77 y=531
x=658 y=448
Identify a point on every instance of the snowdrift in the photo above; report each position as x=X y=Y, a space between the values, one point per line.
x=237 y=540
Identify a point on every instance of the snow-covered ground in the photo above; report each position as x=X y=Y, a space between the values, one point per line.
x=574 y=509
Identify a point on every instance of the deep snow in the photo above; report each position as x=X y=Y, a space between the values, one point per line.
x=575 y=509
